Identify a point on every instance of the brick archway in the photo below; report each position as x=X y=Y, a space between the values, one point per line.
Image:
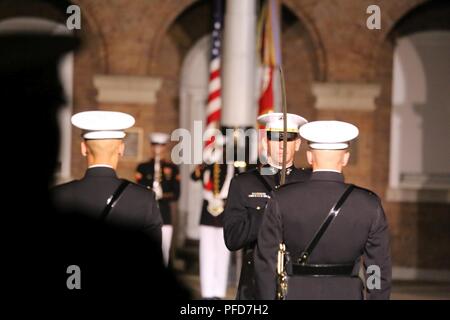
x=304 y=59
x=92 y=30
x=319 y=52
x=172 y=12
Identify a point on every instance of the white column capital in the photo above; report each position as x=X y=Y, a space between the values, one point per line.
x=345 y=96
x=126 y=89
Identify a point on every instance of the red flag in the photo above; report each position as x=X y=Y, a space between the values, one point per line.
x=268 y=45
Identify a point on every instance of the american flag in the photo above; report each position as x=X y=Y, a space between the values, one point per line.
x=214 y=89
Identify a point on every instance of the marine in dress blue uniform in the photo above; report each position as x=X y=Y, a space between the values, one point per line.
x=250 y=191
x=102 y=146
x=163 y=178
x=119 y=251
x=358 y=234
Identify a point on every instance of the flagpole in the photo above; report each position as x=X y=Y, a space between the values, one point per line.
x=283 y=95
x=275 y=20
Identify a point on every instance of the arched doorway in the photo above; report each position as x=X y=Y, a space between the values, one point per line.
x=420 y=112
x=417 y=181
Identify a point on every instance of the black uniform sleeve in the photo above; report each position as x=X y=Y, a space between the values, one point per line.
x=241 y=223
x=377 y=254
x=153 y=220
x=265 y=257
x=139 y=173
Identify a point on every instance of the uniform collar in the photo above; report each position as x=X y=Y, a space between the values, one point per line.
x=100 y=172
x=276 y=170
x=327 y=176
x=326 y=170
x=100 y=165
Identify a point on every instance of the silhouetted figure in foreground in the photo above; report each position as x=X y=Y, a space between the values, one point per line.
x=113 y=260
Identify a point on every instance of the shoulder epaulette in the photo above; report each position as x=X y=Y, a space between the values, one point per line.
x=370 y=192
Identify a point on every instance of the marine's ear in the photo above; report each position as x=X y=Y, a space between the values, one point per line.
x=309 y=157
x=84 y=149
x=121 y=148
x=345 y=158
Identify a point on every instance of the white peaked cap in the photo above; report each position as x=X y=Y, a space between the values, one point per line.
x=103 y=124
x=32 y=26
x=328 y=135
x=274 y=121
x=158 y=137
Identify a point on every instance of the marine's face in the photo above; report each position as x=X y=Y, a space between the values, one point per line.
x=275 y=151
x=158 y=148
x=275 y=147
